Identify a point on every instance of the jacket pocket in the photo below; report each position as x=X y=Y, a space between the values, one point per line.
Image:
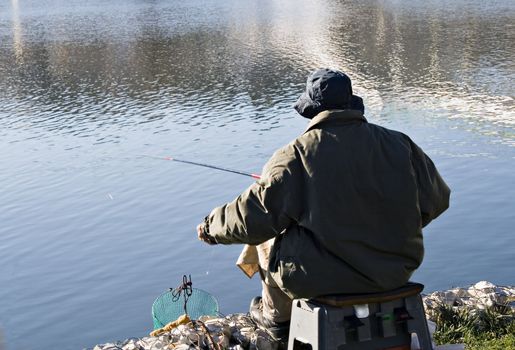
x=290 y=271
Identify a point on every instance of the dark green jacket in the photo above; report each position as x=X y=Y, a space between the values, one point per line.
x=346 y=202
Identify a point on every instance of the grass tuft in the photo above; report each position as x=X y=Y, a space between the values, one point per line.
x=491 y=328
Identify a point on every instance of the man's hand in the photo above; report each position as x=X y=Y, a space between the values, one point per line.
x=203 y=236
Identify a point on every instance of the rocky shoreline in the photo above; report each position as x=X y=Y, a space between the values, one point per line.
x=480 y=296
x=238 y=331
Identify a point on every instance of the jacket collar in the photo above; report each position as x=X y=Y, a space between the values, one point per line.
x=335 y=116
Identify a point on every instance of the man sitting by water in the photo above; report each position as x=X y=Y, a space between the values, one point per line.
x=340 y=209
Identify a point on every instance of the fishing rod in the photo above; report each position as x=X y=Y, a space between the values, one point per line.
x=255 y=176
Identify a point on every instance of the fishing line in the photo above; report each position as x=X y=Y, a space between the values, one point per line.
x=254 y=176
x=210 y=259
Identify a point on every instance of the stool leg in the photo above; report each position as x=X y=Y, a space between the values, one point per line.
x=418 y=324
x=304 y=326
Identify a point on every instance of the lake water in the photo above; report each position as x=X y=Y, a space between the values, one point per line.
x=91 y=232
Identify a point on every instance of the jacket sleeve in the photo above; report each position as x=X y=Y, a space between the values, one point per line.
x=266 y=208
x=433 y=192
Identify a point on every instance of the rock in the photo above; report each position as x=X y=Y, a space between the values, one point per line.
x=484 y=285
x=132 y=344
x=247 y=331
x=214 y=321
x=181 y=347
x=241 y=338
x=157 y=345
x=480 y=296
x=165 y=338
x=222 y=340
x=460 y=292
x=226 y=330
x=206 y=318
x=443 y=298
x=261 y=340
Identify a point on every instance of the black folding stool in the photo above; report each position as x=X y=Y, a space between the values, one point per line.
x=360 y=321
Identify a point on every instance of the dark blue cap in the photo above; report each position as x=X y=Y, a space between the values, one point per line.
x=327 y=89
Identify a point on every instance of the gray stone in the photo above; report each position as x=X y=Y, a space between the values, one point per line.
x=181 y=347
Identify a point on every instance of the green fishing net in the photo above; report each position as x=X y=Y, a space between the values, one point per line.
x=166 y=308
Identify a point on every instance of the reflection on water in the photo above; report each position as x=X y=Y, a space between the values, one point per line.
x=17 y=39
x=87 y=86
x=89 y=63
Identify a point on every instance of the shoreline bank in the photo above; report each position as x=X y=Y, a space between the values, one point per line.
x=238 y=332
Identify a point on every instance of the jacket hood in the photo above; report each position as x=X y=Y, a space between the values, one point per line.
x=327 y=89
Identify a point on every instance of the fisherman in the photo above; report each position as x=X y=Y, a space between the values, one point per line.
x=340 y=209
